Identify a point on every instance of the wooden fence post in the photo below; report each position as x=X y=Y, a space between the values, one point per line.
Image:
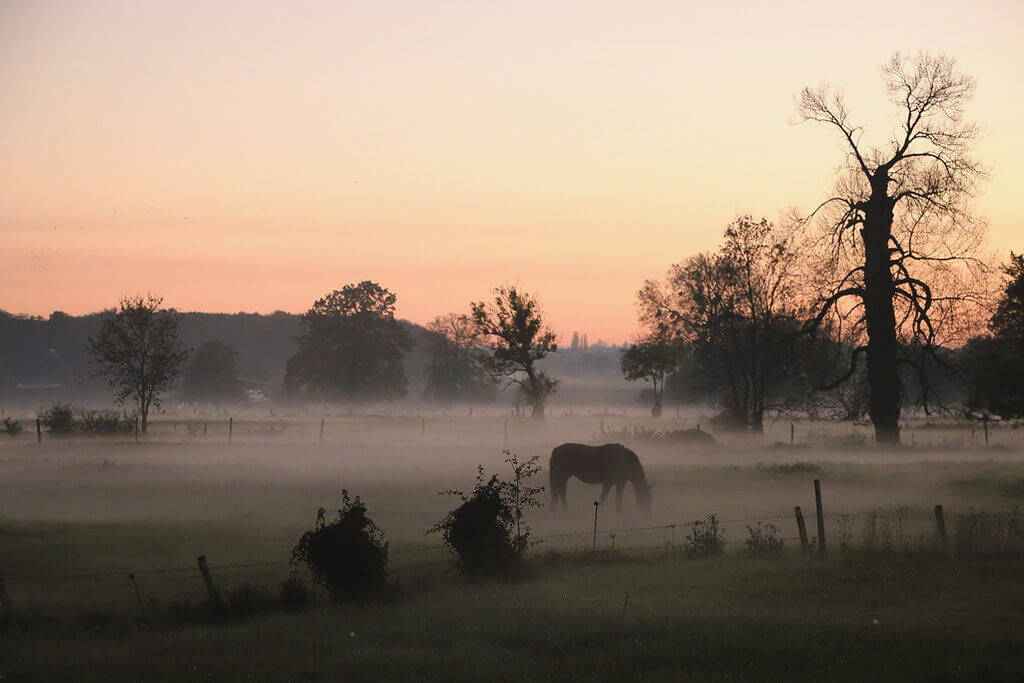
x=792 y=431
x=940 y=527
x=986 y=431
x=322 y=430
x=423 y=428
x=231 y=428
x=39 y=431
x=5 y=600
x=136 y=429
x=596 y=505
x=802 y=528
x=205 y=571
x=821 y=517
x=142 y=608
x=204 y=429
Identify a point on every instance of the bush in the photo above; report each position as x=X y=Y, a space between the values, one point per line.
x=486 y=532
x=764 y=540
x=706 y=538
x=12 y=427
x=349 y=556
x=59 y=419
x=104 y=422
x=984 y=534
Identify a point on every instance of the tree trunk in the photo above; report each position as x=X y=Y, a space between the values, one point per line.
x=884 y=390
x=656 y=410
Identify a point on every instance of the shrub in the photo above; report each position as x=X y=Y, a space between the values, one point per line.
x=293 y=594
x=59 y=419
x=763 y=540
x=706 y=538
x=12 y=427
x=984 y=534
x=349 y=556
x=486 y=533
x=104 y=422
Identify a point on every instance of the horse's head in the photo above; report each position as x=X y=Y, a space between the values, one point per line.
x=643 y=499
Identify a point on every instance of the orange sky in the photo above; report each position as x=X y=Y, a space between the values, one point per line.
x=254 y=155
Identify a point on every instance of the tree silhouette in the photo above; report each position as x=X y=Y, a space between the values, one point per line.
x=455 y=369
x=652 y=358
x=211 y=375
x=899 y=223
x=741 y=313
x=140 y=352
x=351 y=347
x=514 y=331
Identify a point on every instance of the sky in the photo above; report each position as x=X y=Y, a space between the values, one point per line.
x=253 y=156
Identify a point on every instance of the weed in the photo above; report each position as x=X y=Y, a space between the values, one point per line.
x=11 y=427
x=764 y=540
x=706 y=538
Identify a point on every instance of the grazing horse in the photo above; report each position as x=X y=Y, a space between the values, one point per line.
x=609 y=465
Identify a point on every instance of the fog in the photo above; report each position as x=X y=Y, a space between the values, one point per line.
x=269 y=481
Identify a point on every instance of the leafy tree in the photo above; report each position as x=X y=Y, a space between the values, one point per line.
x=140 y=352
x=515 y=332
x=487 y=532
x=995 y=363
x=739 y=310
x=351 y=347
x=456 y=366
x=348 y=556
x=652 y=359
x=211 y=376
x=898 y=235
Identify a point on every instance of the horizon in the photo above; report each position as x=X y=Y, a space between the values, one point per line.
x=256 y=158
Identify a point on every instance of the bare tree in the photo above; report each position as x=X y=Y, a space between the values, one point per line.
x=140 y=352
x=653 y=357
x=899 y=224
x=517 y=336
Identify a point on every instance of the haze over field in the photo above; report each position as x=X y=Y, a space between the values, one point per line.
x=254 y=156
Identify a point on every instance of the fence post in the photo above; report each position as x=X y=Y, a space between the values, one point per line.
x=321 y=430
x=205 y=571
x=5 y=600
x=986 y=431
x=204 y=429
x=821 y=517
x=802 y=528
x=136 y=429
x=792 y=430
x=423 y=428
x=231 y=428
x=596 y=505
x=940 y=527
x=39 y=431
x=142 y=608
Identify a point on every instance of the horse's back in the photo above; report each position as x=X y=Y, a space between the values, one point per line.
x=593 y=464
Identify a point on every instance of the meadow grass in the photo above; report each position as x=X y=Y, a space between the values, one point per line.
x=732 y=618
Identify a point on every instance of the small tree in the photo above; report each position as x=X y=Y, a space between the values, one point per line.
x=349 y=556
x=487 y=532
x=652 y=359
x=140 y=352
x=517 y=336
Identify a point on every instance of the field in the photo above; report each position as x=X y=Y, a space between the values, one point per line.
x=77 y=517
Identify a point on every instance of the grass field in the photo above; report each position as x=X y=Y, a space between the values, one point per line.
x=77 y=517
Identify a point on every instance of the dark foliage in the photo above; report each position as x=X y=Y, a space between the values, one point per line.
x=486 y=532
x=348 y=556
x=653 y=358
x=104 y=422
x=351 y=347
x=455 y=370
x=211 y=375
x=11 y=427
x=59 y=419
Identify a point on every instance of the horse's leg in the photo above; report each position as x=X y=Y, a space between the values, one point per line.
x=619 y=488
x=605 y=488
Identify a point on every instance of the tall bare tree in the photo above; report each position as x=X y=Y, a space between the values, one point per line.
x=513 y=328
x=899 y=223
x=140 y=352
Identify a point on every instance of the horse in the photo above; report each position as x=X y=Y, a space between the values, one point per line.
x=609 y=465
